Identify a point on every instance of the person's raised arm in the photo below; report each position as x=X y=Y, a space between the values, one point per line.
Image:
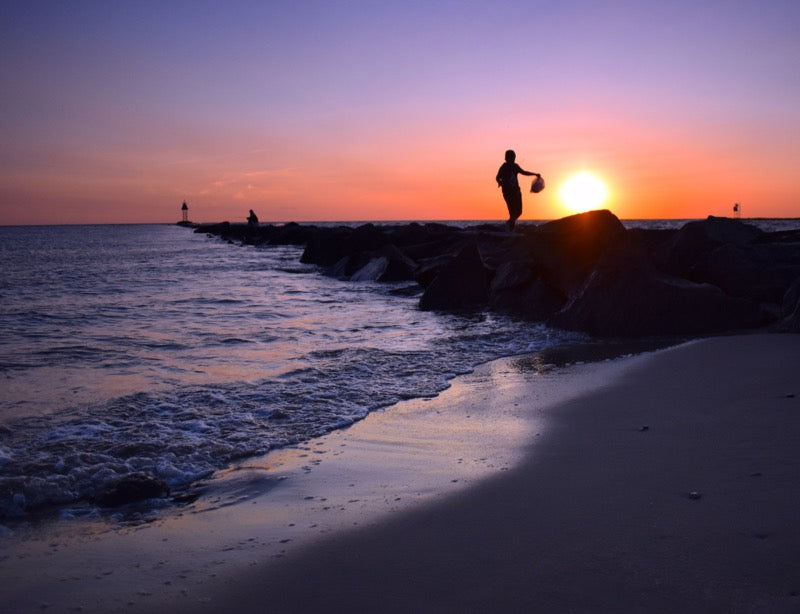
x=530 y=174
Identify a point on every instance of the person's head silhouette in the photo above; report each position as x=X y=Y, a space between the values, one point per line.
x=510 y=155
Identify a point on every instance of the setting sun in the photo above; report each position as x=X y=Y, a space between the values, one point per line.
x=583 y=192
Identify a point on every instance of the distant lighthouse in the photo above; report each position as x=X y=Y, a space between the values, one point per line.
x=185 y=213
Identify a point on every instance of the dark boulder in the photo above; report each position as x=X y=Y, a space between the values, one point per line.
x=625 y=296
x=460 y=285
x=399 y=267
x=680 y=253
x=790 y=309
x=329 y=245
x=791 y=298
x=387 y=264
x=346 y=266
x=291 y=233
x=761 y=271
x=222 y=229
x=130 y=489
x=583 y=272
x=736 y=257
x=498 y=248
x=429 y=268
x=368 y=237
x=416 y=234
x=444 y=245
x=566 y=250
x=512 y=275
x=516 y=289
x=372 y=270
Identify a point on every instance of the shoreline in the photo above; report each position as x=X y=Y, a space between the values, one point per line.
x=671 y=489
x=567 y=504
x=393 y=461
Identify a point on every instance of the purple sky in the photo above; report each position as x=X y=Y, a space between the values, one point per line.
x=389 y=110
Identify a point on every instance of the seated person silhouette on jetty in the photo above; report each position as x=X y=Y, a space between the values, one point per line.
x=507 y=180
x=252 y=220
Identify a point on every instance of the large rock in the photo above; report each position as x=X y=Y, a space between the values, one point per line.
x=625 y=296
x=516 y=289
x=680 y=254
x=387 y=264
x=461 y=285
x=418 y=234
x=734 y=256
x=291 y=233
x=329 y=245
x=429 y=268
x=584 y=272
x=566 y=250
x=790 y=309
x=759 y=271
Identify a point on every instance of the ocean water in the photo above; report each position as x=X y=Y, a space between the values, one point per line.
x=155 y=350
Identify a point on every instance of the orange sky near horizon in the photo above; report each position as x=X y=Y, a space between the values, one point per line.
x=395 y=111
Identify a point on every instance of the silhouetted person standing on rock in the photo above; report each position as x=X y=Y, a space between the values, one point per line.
x=252 y=219
x=507 y=179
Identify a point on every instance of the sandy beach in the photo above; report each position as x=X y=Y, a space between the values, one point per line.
x=663 y=482
x=672 y=489
x=417 y=451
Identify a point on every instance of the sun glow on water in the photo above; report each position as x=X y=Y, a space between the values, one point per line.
x=583 y=192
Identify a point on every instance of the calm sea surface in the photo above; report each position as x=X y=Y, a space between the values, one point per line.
x=151 y=349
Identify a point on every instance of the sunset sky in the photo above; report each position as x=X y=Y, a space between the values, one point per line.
x=375 y=110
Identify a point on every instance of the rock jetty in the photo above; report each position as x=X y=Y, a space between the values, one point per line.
x=586 y=272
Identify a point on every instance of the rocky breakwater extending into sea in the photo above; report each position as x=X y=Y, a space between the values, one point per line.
x=585 y=272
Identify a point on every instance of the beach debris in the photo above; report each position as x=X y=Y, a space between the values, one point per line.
x=643 y=428
x=694 y=494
